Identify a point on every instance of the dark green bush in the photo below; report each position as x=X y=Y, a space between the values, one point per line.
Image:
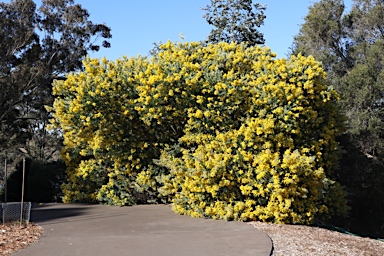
x=42 y=182
x=363 y=178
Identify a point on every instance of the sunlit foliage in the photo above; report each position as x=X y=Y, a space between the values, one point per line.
x=222 y=131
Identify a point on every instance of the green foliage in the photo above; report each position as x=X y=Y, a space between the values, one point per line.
x=38 y=45
x=235 y=21
x=220 y=130
x=364 y=192
x=42 y=182
x=351 y=46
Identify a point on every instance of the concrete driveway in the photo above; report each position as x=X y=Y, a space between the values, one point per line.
x=92 y=230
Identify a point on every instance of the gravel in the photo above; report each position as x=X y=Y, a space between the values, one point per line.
x=301 y=240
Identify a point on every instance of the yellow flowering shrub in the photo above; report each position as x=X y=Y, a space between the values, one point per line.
x=222 y=131
x=83 y=182
x=259 y=133
x=106 y=143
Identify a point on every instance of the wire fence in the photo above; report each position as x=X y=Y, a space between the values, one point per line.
x=10 y=212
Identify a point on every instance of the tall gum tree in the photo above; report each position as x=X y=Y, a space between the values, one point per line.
x=39 y=45
x=235 y=21
x=351 y=47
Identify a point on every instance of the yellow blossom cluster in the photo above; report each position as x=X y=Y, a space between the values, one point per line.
x=221 y=130
x=259 y=133
x=105 y=142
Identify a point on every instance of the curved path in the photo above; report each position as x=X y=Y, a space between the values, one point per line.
x=92 y=230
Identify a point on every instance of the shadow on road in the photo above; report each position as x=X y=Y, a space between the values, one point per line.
x=47 y=213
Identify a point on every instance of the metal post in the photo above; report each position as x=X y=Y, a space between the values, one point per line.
x=22 y=193
x=5 y=181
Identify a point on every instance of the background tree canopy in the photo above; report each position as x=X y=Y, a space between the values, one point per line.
x=235 y=21
x=351 y=48
x=39 y=45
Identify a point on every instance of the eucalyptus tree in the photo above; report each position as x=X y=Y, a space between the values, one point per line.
x=350 y=44
x=39 y=45
x=235 y=21
x=351 y=48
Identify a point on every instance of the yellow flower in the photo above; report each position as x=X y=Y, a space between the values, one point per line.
x=199 y=114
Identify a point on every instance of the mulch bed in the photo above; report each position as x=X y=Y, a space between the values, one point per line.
x=14 y=237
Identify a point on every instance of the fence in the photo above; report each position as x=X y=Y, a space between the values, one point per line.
x=10 y=212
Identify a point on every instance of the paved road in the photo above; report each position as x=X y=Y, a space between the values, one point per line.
x=92 y=230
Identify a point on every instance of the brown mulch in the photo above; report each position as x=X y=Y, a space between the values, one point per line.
x=299 y=240
x=14 y=237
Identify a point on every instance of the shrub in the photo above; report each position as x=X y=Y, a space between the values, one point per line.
x=259 y=134
x=236 y=133
x=106 y=142
x=42 y=182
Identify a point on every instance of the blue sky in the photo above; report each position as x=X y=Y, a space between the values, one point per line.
x=136 y=25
